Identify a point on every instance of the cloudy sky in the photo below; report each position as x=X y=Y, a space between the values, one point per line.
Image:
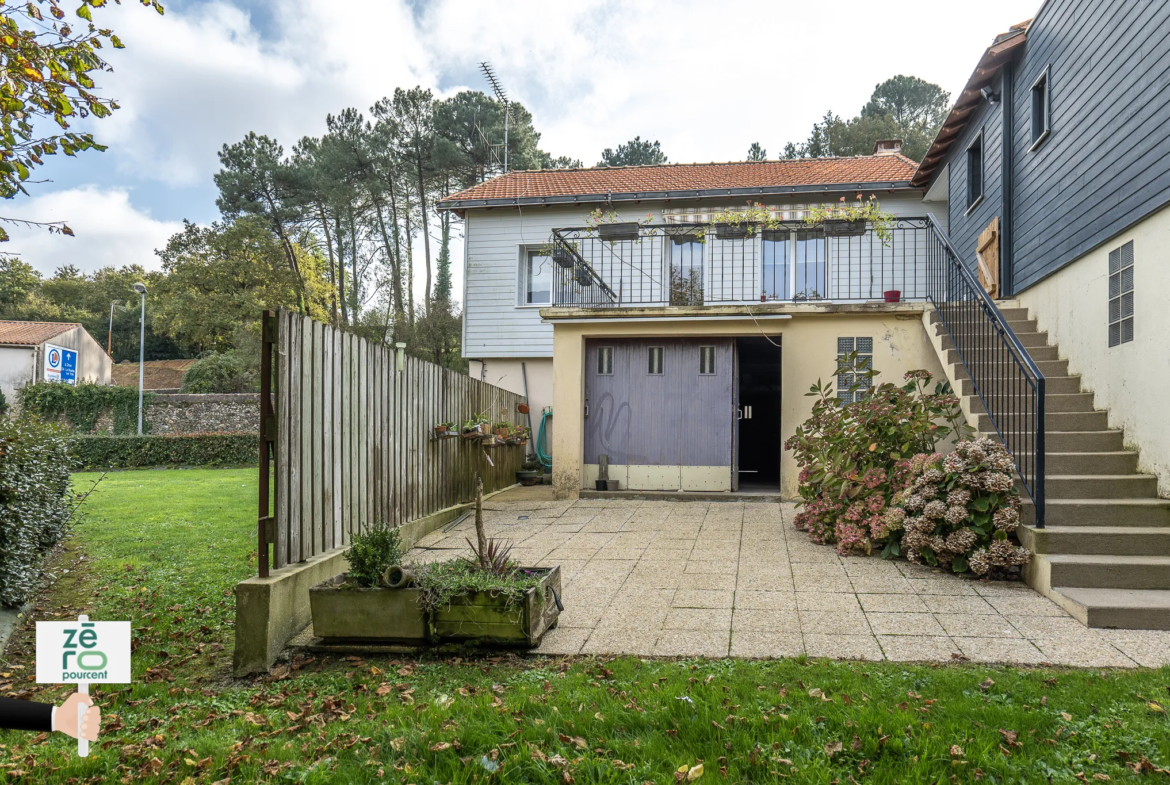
x=706 y=79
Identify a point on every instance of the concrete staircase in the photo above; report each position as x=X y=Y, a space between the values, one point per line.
x=1104 y=554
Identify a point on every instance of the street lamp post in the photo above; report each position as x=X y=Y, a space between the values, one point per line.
x=141 y=289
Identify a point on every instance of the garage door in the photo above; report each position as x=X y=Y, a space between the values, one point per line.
x=663 y=411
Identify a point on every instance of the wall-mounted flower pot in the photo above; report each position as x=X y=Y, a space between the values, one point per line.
x=522 y=408
x=893 y=296
x=441 y=429
x=619 y=231
x=582 y=277
x=476 y=431
x=527 y=477
x=838 y=227
x=731 y=231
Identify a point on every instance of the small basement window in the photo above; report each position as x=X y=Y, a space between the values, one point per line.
x=605 y=361
x=854 y=358
x=655 y=364
x=1041 y=109
x=975 y=171
x=706 y=360
x=1121 y=294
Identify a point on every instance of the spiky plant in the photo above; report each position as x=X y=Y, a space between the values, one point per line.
x=494 y=558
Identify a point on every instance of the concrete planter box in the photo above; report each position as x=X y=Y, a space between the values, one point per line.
x=397 y=615
x=356 y=614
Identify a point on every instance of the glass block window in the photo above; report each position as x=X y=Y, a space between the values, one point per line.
x=706 y=360
x=605 y=361
x=655 y=364
x=1121 y=294
x=847 y=369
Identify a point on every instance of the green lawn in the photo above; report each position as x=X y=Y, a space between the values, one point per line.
x=163 y=548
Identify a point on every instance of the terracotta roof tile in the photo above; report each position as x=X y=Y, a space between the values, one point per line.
x=693 y=177
x=32 y=333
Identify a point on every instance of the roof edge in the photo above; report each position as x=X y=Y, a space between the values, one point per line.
x=704 y=193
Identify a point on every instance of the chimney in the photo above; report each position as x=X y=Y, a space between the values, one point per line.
x=887 y=147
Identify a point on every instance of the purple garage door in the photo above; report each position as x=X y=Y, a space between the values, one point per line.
x=663 y=409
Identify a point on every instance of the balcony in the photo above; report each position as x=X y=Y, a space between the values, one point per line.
x=663 y=265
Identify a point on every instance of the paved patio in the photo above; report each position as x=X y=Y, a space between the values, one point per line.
x=719 y=579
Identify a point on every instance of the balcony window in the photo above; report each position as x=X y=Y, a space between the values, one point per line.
x=810 y=280
x=686 y=269
x=975 y=172
x=537 y=275
x=776 y=250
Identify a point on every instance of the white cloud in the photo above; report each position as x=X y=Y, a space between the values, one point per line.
x=108 y=230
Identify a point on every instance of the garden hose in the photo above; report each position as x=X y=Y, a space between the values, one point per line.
x=542 y=441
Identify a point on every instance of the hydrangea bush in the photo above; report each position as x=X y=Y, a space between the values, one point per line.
x=854 y=456
x=960 y=510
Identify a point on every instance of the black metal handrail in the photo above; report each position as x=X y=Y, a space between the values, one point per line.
x=1003 y=375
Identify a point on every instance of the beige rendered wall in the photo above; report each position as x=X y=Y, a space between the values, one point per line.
x=506 y=372
x=16 y=369
x=1130 y=380
x=809 y=352
x=93 y=364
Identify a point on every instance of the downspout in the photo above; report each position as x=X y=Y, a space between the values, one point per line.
x=1007 y=155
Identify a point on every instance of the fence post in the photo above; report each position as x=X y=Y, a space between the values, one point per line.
x=267 y=438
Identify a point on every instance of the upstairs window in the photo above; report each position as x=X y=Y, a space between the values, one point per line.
x=537 y=274
x=706 y=360
x=605 y=361
x=975 y=171
x=1121 y=294
x=1041 y=109
x=655 y=361
x=854 y=358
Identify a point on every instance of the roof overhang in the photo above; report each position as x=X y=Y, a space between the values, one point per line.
x=990 y=64
x=704 y=193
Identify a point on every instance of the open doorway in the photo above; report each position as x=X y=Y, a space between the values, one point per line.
x=759 y=407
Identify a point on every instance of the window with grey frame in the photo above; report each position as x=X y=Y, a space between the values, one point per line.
x=1121 y=295
x=654 y=364
x=975 y=171
x=605 y=361
x=1041 y=109
x=706 y=360
x=854 y=359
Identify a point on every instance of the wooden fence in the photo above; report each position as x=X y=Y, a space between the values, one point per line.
x=352 y=437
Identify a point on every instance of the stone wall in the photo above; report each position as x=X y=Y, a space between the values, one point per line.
x=185 y=413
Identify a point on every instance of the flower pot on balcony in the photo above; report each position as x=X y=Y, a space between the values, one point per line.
x=562 y=256
x=620 y=231
x=838 y=227
x=582 y=277
x=731 y=231
x=893 y=296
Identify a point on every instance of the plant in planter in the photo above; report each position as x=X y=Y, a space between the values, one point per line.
x=851 y=219
x=854 y=457
x=610 y=227
x=738 y=223
x=443 y=428
x=530 y=472
x=502 y=428
x=476 y=426
x=961 y=510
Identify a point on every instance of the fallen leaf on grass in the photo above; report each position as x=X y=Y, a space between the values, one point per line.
x=440 y=746
x=956 y=751
x=833 y=747
x=383 y=689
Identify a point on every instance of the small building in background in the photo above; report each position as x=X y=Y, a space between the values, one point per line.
x=55 y=351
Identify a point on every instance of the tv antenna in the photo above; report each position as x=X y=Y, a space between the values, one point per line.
x=502 y=97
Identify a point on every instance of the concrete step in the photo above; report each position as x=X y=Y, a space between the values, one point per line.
x=1124 y=609
x=986 y=370
x=1037 y=353
x=1101 y=486
x=1075 y=402
x=1059 y=421
x=1096 y=571
x=984 y=338
x=1121 y=462
x=1100 y=512
x=1053 y=385
x=1084 y=441
x=1104 y=540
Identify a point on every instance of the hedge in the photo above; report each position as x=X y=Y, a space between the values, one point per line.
x=36 y=502
x=192 y=449
x=82 y=404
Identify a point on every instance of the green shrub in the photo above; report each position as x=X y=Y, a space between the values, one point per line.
x=35 y=501
x=192 y=449
x=3 y=404
x=83 y=404
x=372 y=551
x=221 y=373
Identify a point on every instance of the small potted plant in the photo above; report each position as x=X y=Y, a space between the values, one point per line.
x=732 y=231
x=582 y=276
x=524 y=434
x=476 y=427
x=851 y=220
x=530 y=472
x=893 y=295
x=443 y=428
x=502 y=429
x=563 y=254
x=611 y=228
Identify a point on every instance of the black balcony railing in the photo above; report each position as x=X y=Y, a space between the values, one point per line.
x=666 y=265
x=1002 y=373
x=685 y=264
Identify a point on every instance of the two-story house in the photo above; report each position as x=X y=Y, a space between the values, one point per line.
x=679 y=349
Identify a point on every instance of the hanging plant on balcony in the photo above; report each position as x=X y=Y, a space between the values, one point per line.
x=851 y=220
x=611 y=228
x=583 y=277
x=562 y=252
x=741 y=222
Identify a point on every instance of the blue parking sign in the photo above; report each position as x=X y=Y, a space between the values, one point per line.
x=60 y=364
